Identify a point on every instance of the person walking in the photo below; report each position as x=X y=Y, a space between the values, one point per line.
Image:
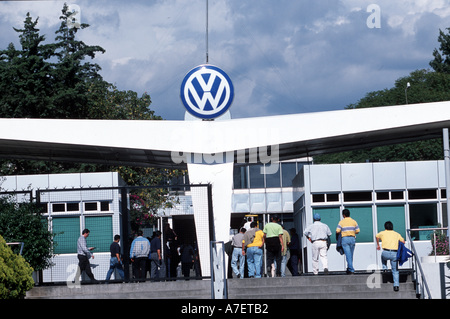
x=115 y=260
x=237 y=258
x=187 y=259
x=286 y=243
x=348 y=228
x=83 y=254
x=155 y=255
x=389 y=243
x=273 y=233
x=294 y=249
x=139 y=252
x=252 y=247
x=318 y=234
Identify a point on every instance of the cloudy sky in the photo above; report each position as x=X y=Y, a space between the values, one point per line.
x=283 y=56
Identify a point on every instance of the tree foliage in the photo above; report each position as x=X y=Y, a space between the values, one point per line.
x=441 y=61
x=22 y=222
x=15 y=273
x=60 y=80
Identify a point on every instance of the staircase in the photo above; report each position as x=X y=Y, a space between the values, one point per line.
x=331 y=286
x=192 y=289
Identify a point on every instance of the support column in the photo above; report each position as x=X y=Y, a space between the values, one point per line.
x=445 y=141
x=220 y=176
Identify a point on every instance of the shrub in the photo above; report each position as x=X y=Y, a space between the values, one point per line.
x=441 y=246
x=15 y=273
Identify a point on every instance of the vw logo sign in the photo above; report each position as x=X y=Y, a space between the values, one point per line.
x=207 y=92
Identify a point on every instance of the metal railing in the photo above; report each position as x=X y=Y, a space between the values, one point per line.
x=421 y=281
x=17 y=243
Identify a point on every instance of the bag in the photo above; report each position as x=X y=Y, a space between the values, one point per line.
x=228 y=248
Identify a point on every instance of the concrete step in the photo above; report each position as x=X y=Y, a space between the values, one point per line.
x=192 y=289
x=359 y=286
x=332 y=286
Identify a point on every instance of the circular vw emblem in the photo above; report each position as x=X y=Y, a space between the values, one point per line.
x=207 y=92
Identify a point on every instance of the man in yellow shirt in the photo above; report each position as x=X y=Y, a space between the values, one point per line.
x=253 y=241
x=389 y=242
x=348 y=228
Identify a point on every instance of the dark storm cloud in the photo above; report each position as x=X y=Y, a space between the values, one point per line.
x=283 y=56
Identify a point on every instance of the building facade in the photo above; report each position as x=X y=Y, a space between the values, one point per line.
x=412 y=195
x=72 y=202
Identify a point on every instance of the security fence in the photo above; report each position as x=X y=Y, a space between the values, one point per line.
x=110 y=211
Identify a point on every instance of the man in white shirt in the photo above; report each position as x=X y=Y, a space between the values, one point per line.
x=83 y=254
x=318 y=234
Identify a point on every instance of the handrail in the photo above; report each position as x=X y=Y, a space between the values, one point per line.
x=17 y=243
x=417 y=260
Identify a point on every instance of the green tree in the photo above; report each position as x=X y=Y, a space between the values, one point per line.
x=73 y=75
x=15 y=273
x=108 y=102
x=441 y=61
x=22 y=222
x=59 y=80
x=25 y=75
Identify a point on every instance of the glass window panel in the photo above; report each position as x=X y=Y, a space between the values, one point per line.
x=382 y=195
x=66 y=231
x=240 y=177
x=104 y=206
x=332 y=197
x=273 y=179
x=72 y=207
x=101 y=235
x=357 y=196
x=397 y=195
x=318 y=198
x=58 y=207
x=256 y=177
x=363 y=216
x=393 y=213
x=422 y=216
x=422 y=194
x=288 y=172
x=90 y=206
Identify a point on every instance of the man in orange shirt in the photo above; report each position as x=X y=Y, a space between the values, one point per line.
x=348 y=228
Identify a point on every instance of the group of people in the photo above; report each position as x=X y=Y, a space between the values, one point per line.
x=145 y=255
x=248 y=247
x=319 y=235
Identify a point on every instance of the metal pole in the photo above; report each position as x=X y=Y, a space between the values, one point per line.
x=207 y=44
x=447 y=173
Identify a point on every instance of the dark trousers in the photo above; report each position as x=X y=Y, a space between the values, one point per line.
x=83 y=263
x=273 y=249
x=293 y=262
x=140 y=267
x=186 y=268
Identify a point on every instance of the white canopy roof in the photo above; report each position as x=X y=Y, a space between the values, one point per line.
x=150 y=143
